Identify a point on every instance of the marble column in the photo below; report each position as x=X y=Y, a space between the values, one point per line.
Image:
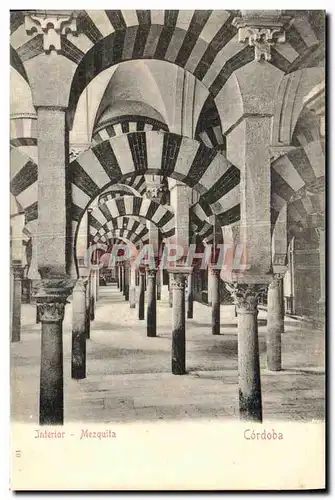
x=215 y=285
x=51 y=299
x=79 y=334
x=126 y=282
x=132 y=288
x=178 y=320
x=117 y=277
x=190 y=296
x=275 y=323
x=16 y=302
x=209 y=287
x=170 y=291
x=250 y=397
x=159 y=284
x=88 y=308
x=152 y=304
x=121 y=278
x=141 y=295
x=97 y=284
x=92 y=295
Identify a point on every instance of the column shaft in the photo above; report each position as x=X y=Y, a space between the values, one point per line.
x=275 y=324
x=126 y=283
x=215 y=302
x=79 y=322
x=178 y=325
x=16 y=303
x=141 y=297
x=190 y=296
x=250 y=397
x=121 y=278
x=152 y=305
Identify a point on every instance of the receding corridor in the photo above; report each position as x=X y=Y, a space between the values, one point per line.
x=129 y=374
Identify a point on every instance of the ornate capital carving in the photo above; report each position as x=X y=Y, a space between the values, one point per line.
x=156 y=193
x=215 y=272
x=178 y=281
x=53 y=25
x=17 y=272
x=151 y=273
x=81 y=285
x=51 y=294
x=246 y=296
x=262 y=30
x=51 y=312
x=276 y=280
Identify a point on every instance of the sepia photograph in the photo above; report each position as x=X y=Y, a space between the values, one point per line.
x=167 y=249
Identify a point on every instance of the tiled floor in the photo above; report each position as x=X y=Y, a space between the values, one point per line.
x=128 y=374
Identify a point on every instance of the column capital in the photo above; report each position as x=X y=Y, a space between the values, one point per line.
x=81 y=284
x=51 y=295
x=17 y=272
x=51 y=312
x=262 y=29
x=151 y=272
x=246 y=296
x=178 y=281
x=53 y=25
x=215 y=272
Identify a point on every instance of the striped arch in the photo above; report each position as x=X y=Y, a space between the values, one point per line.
x=133 y=225
x=101 y=219
x=117 y=191
x=203 y=42
x=124 y=125
x=131 y=236
x=23 y=182
x=166 y=154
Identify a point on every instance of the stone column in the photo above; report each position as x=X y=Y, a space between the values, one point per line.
x=151 y=307
x=16 y=302
x=79 y=333
x=170 y=291
x=51 y=298
x=88 y=308
x=275 y=323
x=97 y=284
x=126 y=282
x=215 y=301
x=121 y=278
x=250 y=397
x=178 y=320
x=209 y=287
x=92 y=298
x=117 y=276
x=132 y=288
x=190 y=296
x=159 y=284
x=141 y=295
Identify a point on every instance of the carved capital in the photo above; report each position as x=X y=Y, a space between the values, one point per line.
x=246 y=296
x=261 y=30
x=215 y=272
x=151 y=273
x=17 y=272
x=156 y=193
x=81 y=285
x=51 y=312
x=178 y=281
x=53 y=25
x=277 y=277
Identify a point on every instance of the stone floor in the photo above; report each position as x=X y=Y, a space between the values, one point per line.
x=129 y=378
